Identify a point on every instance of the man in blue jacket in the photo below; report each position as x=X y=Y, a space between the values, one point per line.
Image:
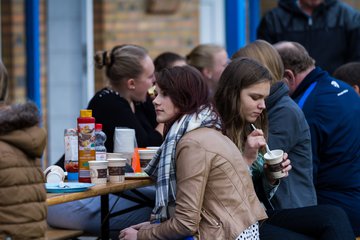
x=332 y=109
x=328 y=29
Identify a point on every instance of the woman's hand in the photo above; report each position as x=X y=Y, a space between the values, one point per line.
x=128 y=234
x=286 y=167
x=140 y=225
x=254 y=141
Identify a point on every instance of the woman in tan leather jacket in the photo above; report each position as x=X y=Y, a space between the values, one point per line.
x=22 y=190
x=203 y=187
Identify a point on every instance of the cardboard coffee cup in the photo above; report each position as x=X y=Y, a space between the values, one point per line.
x=274 y=162
x=116 y=167
x=145 y=157
x=98 y=171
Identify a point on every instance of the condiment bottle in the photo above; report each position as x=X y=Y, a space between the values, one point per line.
x=86 y=137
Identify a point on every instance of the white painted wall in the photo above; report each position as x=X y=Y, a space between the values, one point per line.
x=70 y=78
x=212 y=22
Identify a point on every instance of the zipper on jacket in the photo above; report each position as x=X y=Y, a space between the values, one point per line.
x=210 y=218
x=310 y=21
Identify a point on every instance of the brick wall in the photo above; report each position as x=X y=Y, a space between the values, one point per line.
x=13 y=47
x=124 y=21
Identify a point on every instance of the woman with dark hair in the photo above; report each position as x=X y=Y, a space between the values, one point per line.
x=203 y=188
x=168 y=60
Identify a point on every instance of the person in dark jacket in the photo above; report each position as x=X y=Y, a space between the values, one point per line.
x=288 y=130
x=332 y=109
x=328 y=29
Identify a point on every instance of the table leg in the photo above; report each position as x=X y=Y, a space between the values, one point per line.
x=105 y=225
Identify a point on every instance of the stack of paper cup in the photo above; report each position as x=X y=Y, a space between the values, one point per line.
x=98 y=171
x=145 y=157
x=116 y=167
x=125 y=142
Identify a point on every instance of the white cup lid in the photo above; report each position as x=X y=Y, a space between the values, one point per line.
x=54 y=177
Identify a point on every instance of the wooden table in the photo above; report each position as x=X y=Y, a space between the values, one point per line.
x=102 y=190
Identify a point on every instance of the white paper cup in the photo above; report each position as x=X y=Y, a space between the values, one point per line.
x=54 y=174
x=124 y=140
x=145 y=157
x=274 y=163
x=98 y=171
x=153 y=148
x=117 y=169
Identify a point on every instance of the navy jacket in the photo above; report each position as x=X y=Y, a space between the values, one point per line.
x=289 y=131
x=332 y=110
x=331 y=35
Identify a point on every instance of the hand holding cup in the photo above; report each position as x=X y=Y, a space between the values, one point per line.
x=276 y=166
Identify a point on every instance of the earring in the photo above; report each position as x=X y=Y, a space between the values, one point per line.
x=132 y=87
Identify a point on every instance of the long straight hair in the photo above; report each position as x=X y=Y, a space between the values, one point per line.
x=240 y=74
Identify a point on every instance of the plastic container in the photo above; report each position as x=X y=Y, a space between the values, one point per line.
x=71 y=163
x=86 y=150
x=100 y=138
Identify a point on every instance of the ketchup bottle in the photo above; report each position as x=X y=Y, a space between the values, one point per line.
x=86 y=137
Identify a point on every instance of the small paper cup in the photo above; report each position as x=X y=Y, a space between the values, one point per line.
x=117 y=170
x=145 y=157
x=274 y=163
x=98 y=171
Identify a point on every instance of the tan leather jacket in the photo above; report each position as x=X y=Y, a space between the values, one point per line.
x=215 y=197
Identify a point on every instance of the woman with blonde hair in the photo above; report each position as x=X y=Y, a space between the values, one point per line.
x=210 y=60
x=123 y=103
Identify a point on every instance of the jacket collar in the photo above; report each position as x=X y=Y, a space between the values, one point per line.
x=313 y=76
x=17 y=117
x=277 y=91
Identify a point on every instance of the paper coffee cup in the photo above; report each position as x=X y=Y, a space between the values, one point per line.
x=98 y=171
x=54 y=174
x=145 y=157
x=117 y=169
x=274 y=163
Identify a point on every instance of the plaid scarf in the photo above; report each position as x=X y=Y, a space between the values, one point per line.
x=162 y=166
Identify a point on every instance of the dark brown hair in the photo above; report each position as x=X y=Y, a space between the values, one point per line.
x=166 y=60
x=186 y=88
x=349 y=73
